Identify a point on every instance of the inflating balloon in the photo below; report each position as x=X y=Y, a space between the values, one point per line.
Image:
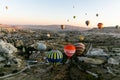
x=69 y=50
x=100 y=25
x=81 y=38
x=41 y=46
x=87 y=22
x=80 y=48
x=54 y=56
x=62 y=27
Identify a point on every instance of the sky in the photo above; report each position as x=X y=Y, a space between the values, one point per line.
x=49 y=12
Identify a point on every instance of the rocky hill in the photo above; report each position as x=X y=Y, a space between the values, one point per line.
x=55 y=27
x=106 y=30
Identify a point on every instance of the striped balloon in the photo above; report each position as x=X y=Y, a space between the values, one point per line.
x=80 y=47
x=54 y=56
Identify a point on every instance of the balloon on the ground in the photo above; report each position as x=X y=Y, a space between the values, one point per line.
x=69 y=50
x=100 y=25
x=87 y=22
x=41 y=46
x=54 y=56
x=80 y=48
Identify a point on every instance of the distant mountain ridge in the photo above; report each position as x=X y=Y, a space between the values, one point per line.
x=55 y=27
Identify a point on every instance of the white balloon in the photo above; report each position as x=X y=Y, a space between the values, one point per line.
x=41 y=46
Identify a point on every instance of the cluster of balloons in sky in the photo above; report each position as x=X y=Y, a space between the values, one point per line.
x=87 y=22
x=56 y=56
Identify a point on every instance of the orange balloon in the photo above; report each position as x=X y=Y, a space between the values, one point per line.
x=100 y=25
x=69 y=50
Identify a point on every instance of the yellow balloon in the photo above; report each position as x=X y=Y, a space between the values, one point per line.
x=81 y=38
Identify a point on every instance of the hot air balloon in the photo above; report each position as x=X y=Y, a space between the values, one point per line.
x=85 y=13
x=54 y=56
x=80 y=47
x=62 y=27
x=74 y=17
x=73 y=6
x=48 y=35
x=69 y=50
x=41 y=46
x=100 y=25
x=87 y=22
x=81 y=38
x=97 y=15
x=67 y=20
x=117 y=26
x=6 y=7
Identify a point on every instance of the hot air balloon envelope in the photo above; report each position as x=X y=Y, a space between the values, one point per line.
x=74 y=17
x=100 y=25
x=87 y=22
x=69 y=50
x=97 y=15
x=81 y=38
x=80 y=47
x=6 y=7
x=54 y=56
x=62 y=27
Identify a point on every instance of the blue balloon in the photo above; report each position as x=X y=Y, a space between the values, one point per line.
x=55 y=56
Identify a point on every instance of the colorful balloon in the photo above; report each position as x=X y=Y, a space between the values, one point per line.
x=62 y=27
x=69 y=50
x=80 y=48
x=87 y=22
x=100 y=25
x=54 y=56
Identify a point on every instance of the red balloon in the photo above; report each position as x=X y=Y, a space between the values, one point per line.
x=69 y=50
x=100 y=25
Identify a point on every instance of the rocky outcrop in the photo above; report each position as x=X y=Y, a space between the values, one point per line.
x=8 y=54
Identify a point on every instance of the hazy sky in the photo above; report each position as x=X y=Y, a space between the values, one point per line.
x=45 y=12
